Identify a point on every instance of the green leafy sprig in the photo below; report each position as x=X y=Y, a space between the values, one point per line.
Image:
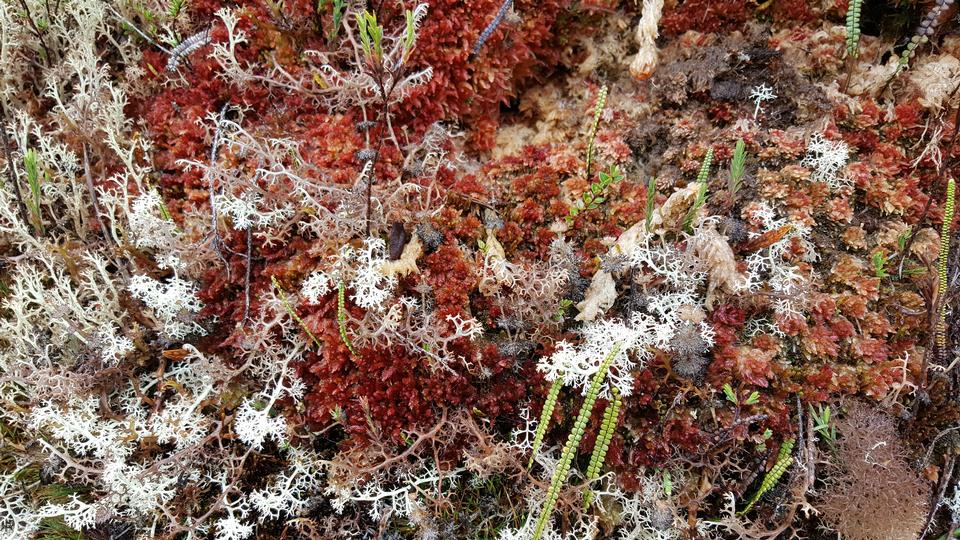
x=594 y=197
x=371 y=37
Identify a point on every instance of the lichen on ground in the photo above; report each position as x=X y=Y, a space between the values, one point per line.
x=496 y=269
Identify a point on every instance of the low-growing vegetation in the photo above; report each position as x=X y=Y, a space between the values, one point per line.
x=512 y=270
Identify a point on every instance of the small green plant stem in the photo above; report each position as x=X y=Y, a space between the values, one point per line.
x=371 y=37
x=292 y=312
x=909 y=52
x=701 y=193
x=827 y=432
x=337 y=15
x=597 y=111
x=948 y=210
x=342 y=317
x=610 y=415
x=854 y=8
x=737 y=167
x=784 y=460
x=705 y=166
x=32 y=168
x=545 y=415
x=573 y=442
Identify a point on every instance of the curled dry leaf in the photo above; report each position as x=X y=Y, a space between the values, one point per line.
x=407 y=263
x=712 y=249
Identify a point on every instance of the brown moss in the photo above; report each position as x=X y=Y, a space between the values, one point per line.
x=871 y=491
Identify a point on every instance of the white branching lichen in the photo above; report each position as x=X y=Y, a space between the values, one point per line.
x=170 y=302
x=759 y=94
x=827 y=158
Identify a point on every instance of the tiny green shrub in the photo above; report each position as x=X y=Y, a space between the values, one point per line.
x=593 y=197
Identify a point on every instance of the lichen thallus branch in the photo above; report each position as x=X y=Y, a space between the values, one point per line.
x=13 y=180
x=216 y=242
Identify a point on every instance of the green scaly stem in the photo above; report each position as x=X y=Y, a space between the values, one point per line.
x=948 y=209
x=573 y=442
x=545 y=416
x=784 y=460
x=610 y=415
